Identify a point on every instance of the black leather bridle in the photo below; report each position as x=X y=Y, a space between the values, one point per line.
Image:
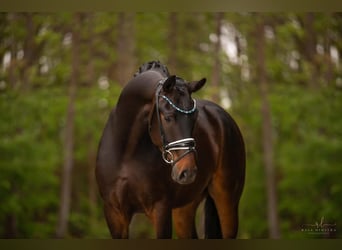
x=187 y=144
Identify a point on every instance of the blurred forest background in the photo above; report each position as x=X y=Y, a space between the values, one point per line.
x=278 y=74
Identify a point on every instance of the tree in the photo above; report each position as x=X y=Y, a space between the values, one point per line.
x=125 y=63
x=267 y=131
x=69 y=140
x=216 y=70
x=172 y=36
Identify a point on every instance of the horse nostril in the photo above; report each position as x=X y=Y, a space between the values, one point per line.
x=187 y=175
x=184 y=174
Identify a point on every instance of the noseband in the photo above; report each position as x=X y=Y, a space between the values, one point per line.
x=187 y=144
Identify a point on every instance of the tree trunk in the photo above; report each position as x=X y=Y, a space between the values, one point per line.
x=308 y=48
x=91 y=152
x=66 y=181
x=122 y=70
x=31 y=48
x=28 y=50
x=172 y=42
x=311 y=42
x=328 y=69
x=88 y=60
x=12 y=73
x=267 y=135
x=216 y=73
x=10 y=227
x=92 y=187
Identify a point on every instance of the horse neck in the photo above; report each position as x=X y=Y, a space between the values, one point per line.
x=132 y=110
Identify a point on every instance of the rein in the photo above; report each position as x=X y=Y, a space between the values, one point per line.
x=187 y=144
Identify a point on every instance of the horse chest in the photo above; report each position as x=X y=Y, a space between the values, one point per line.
x=141 y=186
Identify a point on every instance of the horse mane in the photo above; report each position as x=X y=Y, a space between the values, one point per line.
x=153 y=65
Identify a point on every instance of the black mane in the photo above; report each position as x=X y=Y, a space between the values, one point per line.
x=153 y=65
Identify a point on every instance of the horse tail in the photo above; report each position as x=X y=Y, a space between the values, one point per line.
x=212 y=227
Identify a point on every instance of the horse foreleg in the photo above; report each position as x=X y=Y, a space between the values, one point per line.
x=162 y=220
x=184 y=221
x=117 y=222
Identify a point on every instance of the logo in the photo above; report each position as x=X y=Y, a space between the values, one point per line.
x=321 y=228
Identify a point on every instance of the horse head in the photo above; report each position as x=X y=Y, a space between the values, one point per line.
x=171 y=124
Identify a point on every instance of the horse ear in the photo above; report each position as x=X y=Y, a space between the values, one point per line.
x=169 y=83
x=194 y=86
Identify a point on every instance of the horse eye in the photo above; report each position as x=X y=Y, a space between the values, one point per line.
x=167 y=118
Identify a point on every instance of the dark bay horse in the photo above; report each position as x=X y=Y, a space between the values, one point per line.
x=162 y=153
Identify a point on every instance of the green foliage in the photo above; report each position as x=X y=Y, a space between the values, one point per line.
x=309 y=158
x=30 y=154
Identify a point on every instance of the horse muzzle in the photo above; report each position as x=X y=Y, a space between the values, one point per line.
x=180 y=155
x=185 y=175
